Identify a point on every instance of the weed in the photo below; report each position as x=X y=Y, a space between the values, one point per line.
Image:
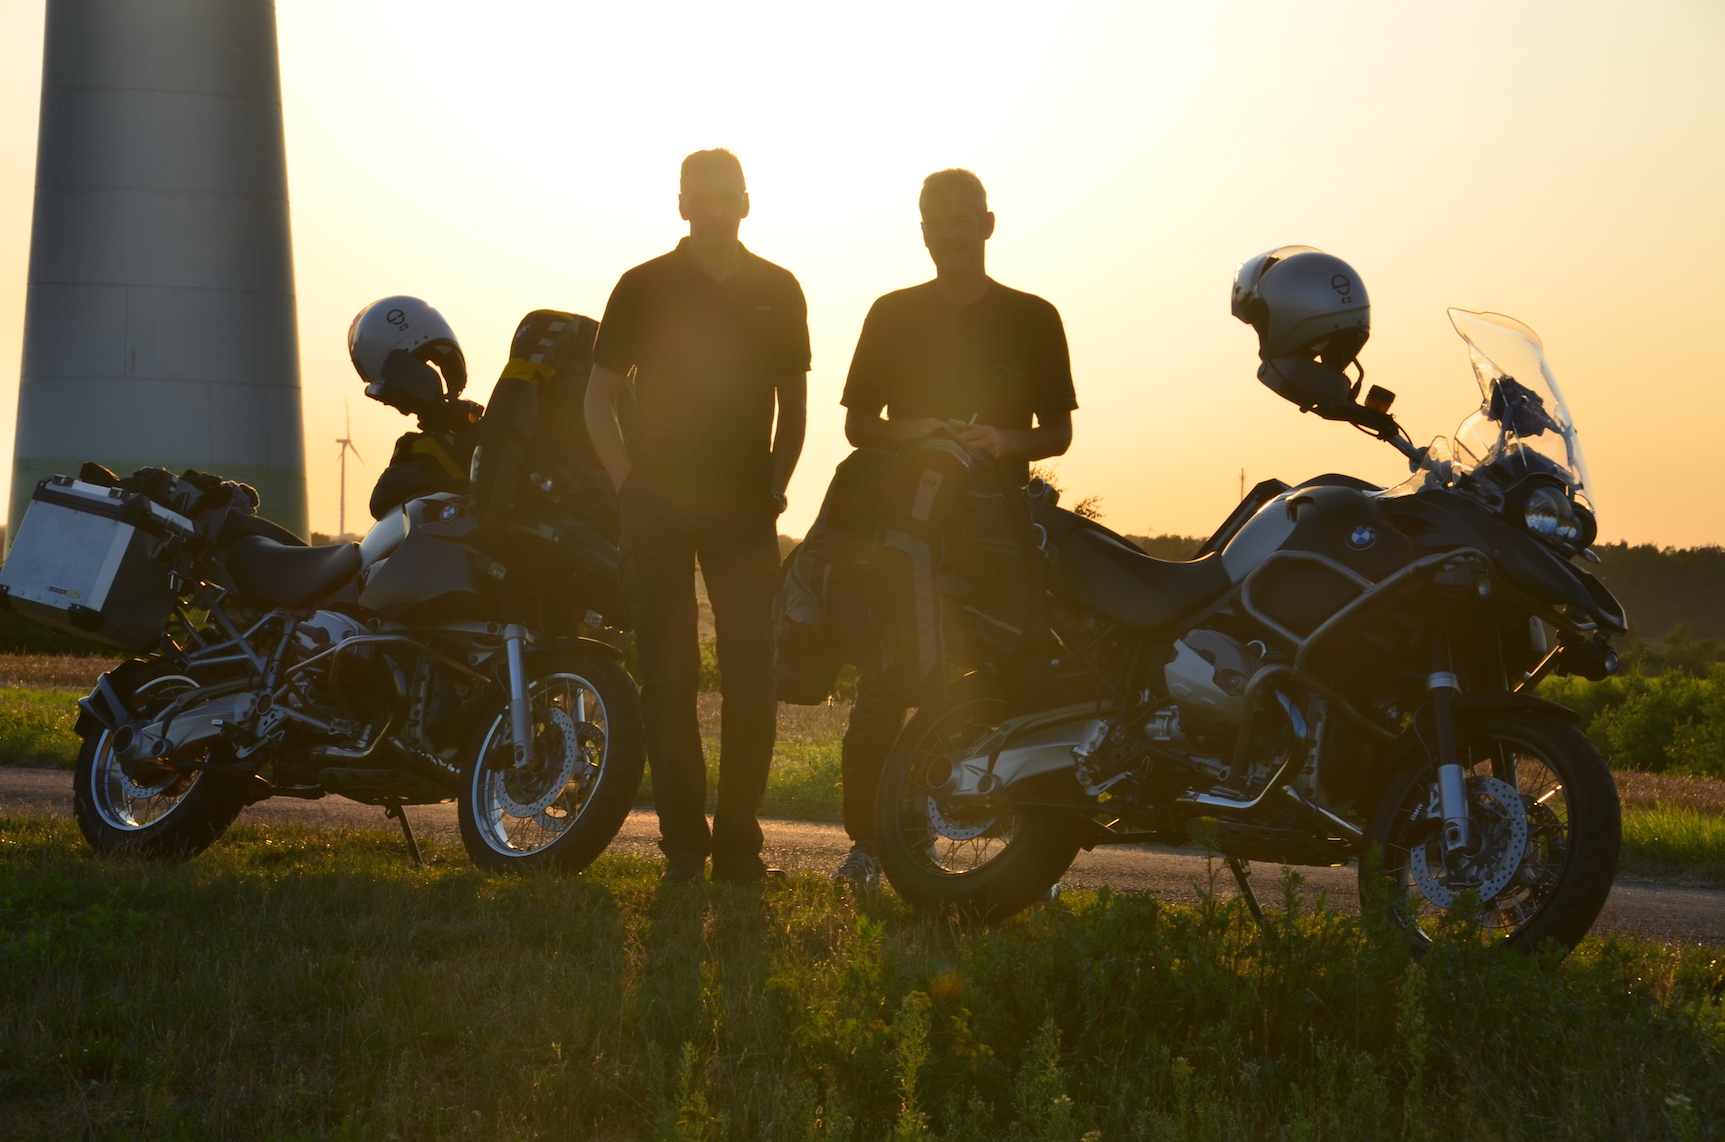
x=332 y=990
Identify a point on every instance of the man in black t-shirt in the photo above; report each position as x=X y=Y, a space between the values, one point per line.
x=968 y=354
x=716 y=339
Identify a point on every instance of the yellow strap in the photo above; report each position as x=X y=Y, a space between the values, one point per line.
x=434 y=448
x=518 y=369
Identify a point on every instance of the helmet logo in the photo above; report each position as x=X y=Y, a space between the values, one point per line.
x=1363 y=537
x=1344 y=286
x=396 y=318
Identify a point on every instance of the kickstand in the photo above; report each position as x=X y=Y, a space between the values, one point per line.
x=400 y=814
x=1236 y=866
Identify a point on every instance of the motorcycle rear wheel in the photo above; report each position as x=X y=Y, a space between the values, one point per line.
x=563 y=808
x=937 y=856
x=1555 y=865
x=154 y=812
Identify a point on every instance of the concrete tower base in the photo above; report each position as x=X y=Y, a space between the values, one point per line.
x=160 y=327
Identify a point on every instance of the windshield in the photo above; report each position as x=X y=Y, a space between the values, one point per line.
x=1522 y=428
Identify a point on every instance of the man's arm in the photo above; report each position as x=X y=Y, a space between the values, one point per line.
x=793 y=394
x=604 y=389
x=866 y=429
x=1052 y=436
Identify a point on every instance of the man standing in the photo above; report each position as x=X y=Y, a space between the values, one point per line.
x=968 y=354
x=715 y=338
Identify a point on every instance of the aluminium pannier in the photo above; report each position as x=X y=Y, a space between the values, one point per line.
x=87 y=560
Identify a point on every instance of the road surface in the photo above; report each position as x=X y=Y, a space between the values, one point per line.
x=1669 y=913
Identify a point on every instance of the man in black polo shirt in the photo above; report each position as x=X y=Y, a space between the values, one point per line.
x=965 y=353
x=715 y=338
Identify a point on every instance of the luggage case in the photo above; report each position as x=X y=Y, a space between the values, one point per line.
x=86 y=561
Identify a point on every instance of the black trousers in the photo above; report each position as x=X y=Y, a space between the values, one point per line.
x=664 y=533
x=877 y=716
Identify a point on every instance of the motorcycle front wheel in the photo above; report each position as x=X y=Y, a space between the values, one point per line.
x=1547 y=827
x=986 y=863
x=562 y=808
x=150 y=809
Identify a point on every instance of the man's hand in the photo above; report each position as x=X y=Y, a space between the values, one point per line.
x=987 y=440
x=865 y=429
x=1051 y=437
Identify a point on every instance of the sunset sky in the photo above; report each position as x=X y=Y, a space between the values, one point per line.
x=1563 y=163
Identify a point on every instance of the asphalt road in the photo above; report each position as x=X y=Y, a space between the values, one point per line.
x=1669 y=913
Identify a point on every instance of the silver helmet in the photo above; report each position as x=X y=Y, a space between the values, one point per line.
x=392 y=340
x=1303 y=303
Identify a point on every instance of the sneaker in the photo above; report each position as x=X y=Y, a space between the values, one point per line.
x=683 y=870
x=860 y=871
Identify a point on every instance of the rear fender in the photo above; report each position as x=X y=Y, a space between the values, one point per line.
x=556 y=645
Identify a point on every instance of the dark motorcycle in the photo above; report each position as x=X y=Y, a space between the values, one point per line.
x=441 y=657
x=1345 y=672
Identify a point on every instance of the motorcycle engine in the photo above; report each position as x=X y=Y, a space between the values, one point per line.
x=324 y=629
x=1207 y=680
x=1208 y=674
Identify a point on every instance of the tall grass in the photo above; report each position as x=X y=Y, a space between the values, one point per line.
x=36 y=728
x=1674 y=844
x=314 y=985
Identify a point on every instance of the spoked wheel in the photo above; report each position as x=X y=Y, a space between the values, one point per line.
x=1547 y=826
x=151 y=808
x=564 y=805
x=987 y=861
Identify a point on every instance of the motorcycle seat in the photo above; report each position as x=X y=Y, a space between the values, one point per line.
x=277 y=575
x=1133 y=588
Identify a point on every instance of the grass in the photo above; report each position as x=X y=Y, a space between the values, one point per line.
x=303 y=985
x=1674 y=844
x=36 y=728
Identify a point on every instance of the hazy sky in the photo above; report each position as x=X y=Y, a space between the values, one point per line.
x=1560 y=162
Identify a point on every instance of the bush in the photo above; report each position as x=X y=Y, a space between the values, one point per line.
x=1671 y=722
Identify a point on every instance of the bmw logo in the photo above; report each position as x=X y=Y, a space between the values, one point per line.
x=1363 y=537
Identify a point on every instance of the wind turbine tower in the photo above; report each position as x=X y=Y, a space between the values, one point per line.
x=346 y=443
x=159 y=327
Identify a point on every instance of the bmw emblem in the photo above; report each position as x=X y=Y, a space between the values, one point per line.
x=1363 y=537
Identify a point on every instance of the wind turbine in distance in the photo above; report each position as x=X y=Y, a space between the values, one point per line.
x=346 y=443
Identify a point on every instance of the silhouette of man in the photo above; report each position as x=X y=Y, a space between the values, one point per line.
x=965 y=353
x=715 y=338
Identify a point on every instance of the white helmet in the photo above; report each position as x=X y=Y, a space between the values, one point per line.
x=414 y=329
x=1303 y=303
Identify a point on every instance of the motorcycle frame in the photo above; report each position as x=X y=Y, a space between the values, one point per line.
x=276 y=680
x=1456 y=575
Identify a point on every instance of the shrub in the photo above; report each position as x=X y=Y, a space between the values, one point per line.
x=1669 y=722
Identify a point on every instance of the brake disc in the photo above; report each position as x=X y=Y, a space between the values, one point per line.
x=556 y=752
x=1500 y=824
x=953 y=830
x=136 y=791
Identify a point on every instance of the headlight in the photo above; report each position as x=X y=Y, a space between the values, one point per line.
x=1549 y=514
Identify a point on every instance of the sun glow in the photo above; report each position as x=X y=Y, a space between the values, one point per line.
x=1546 y=161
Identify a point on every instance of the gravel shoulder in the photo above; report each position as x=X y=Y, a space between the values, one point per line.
x=1668 y=913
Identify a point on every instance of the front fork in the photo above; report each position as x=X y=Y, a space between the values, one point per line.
x=1452 y=782
x=520 y=704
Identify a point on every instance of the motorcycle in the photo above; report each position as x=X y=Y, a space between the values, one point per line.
x=441 y=657
x=1345 y=672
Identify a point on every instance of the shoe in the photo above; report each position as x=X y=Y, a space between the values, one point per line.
x=749 y=870
x=860 y=871
x=683 y=870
